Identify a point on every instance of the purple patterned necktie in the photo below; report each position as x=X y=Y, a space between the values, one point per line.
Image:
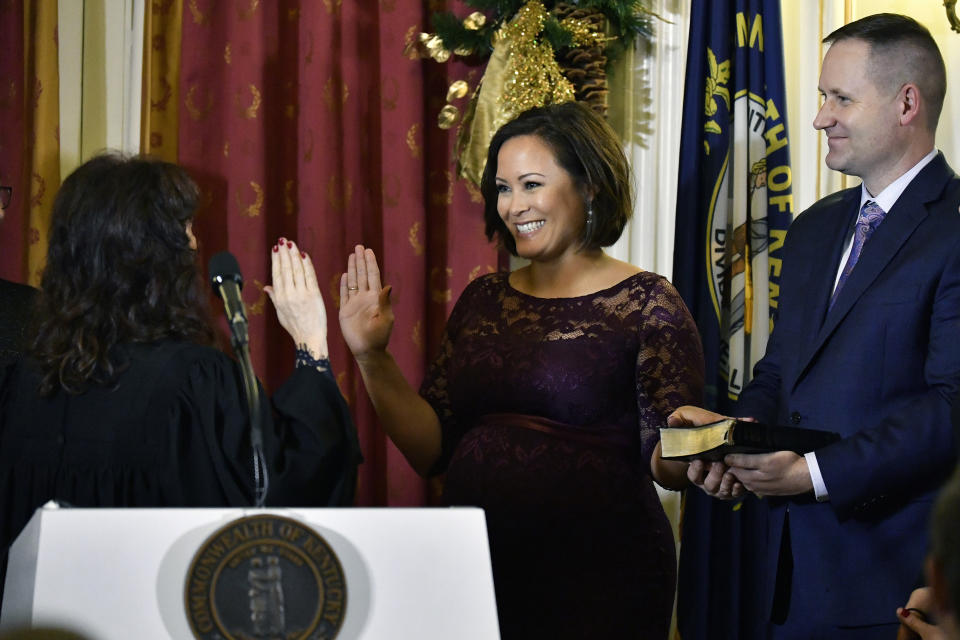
x=871 y=215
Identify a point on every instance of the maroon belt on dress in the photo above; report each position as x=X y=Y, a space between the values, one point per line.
x=562 y=430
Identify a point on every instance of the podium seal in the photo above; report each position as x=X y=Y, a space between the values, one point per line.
x=265 y=577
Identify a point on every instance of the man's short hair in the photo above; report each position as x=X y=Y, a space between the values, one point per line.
x=901 y=51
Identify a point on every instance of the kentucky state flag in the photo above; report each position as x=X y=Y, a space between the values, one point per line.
x=734 y=204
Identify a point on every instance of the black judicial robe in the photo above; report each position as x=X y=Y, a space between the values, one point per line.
x=172 y=432
x=16 y=305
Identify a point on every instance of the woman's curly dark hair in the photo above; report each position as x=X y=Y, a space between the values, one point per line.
x=119 y=270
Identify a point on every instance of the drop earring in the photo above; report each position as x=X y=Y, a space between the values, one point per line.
x=588 y=228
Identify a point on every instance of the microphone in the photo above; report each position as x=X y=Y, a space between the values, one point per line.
x=227 y=283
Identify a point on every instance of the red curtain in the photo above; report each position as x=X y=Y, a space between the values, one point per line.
x=305 y=120
x=29 y=133
x=14 y=228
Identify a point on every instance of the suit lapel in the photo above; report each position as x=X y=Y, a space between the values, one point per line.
x=895 y=229
x=898 y=225
x=828 y=243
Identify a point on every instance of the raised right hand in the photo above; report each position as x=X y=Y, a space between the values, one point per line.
x=366 y=315
x=296 y=296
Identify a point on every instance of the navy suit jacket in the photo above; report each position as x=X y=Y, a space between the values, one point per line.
x=881 y=368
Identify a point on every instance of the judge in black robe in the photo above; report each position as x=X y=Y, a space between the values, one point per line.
x=123 y=401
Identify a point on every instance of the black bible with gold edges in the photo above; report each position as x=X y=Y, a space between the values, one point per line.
x=717 y=439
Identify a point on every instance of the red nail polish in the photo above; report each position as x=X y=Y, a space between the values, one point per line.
x=906 y=613
x=282 y=240
x=276 y=248
x=303 y=255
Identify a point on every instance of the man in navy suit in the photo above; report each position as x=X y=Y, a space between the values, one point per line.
x=866 y=344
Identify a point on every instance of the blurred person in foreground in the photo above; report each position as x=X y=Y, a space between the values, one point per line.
x=545 y=402
x=932 y=612
x=865 y=345
x=122 y=399
x=16 y=302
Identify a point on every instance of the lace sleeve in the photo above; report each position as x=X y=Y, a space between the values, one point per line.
x=670 y=369
x=435 y=387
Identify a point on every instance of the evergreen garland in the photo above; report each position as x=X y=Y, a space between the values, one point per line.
x=627 y=20
x=548 y=51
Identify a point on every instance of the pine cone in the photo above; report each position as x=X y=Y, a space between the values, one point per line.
x=585 y=67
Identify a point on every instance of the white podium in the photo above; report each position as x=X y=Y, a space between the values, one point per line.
x=120 y=573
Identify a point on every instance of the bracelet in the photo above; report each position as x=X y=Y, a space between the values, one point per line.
x=304 y=358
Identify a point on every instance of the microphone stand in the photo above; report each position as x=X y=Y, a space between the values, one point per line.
x=261 y=477
x=227 y=282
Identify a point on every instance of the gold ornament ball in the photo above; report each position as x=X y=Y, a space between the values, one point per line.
x=457 y=90
x=474 y=21
x=448 y=116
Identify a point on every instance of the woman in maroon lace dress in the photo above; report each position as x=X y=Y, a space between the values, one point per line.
x=544 y=404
